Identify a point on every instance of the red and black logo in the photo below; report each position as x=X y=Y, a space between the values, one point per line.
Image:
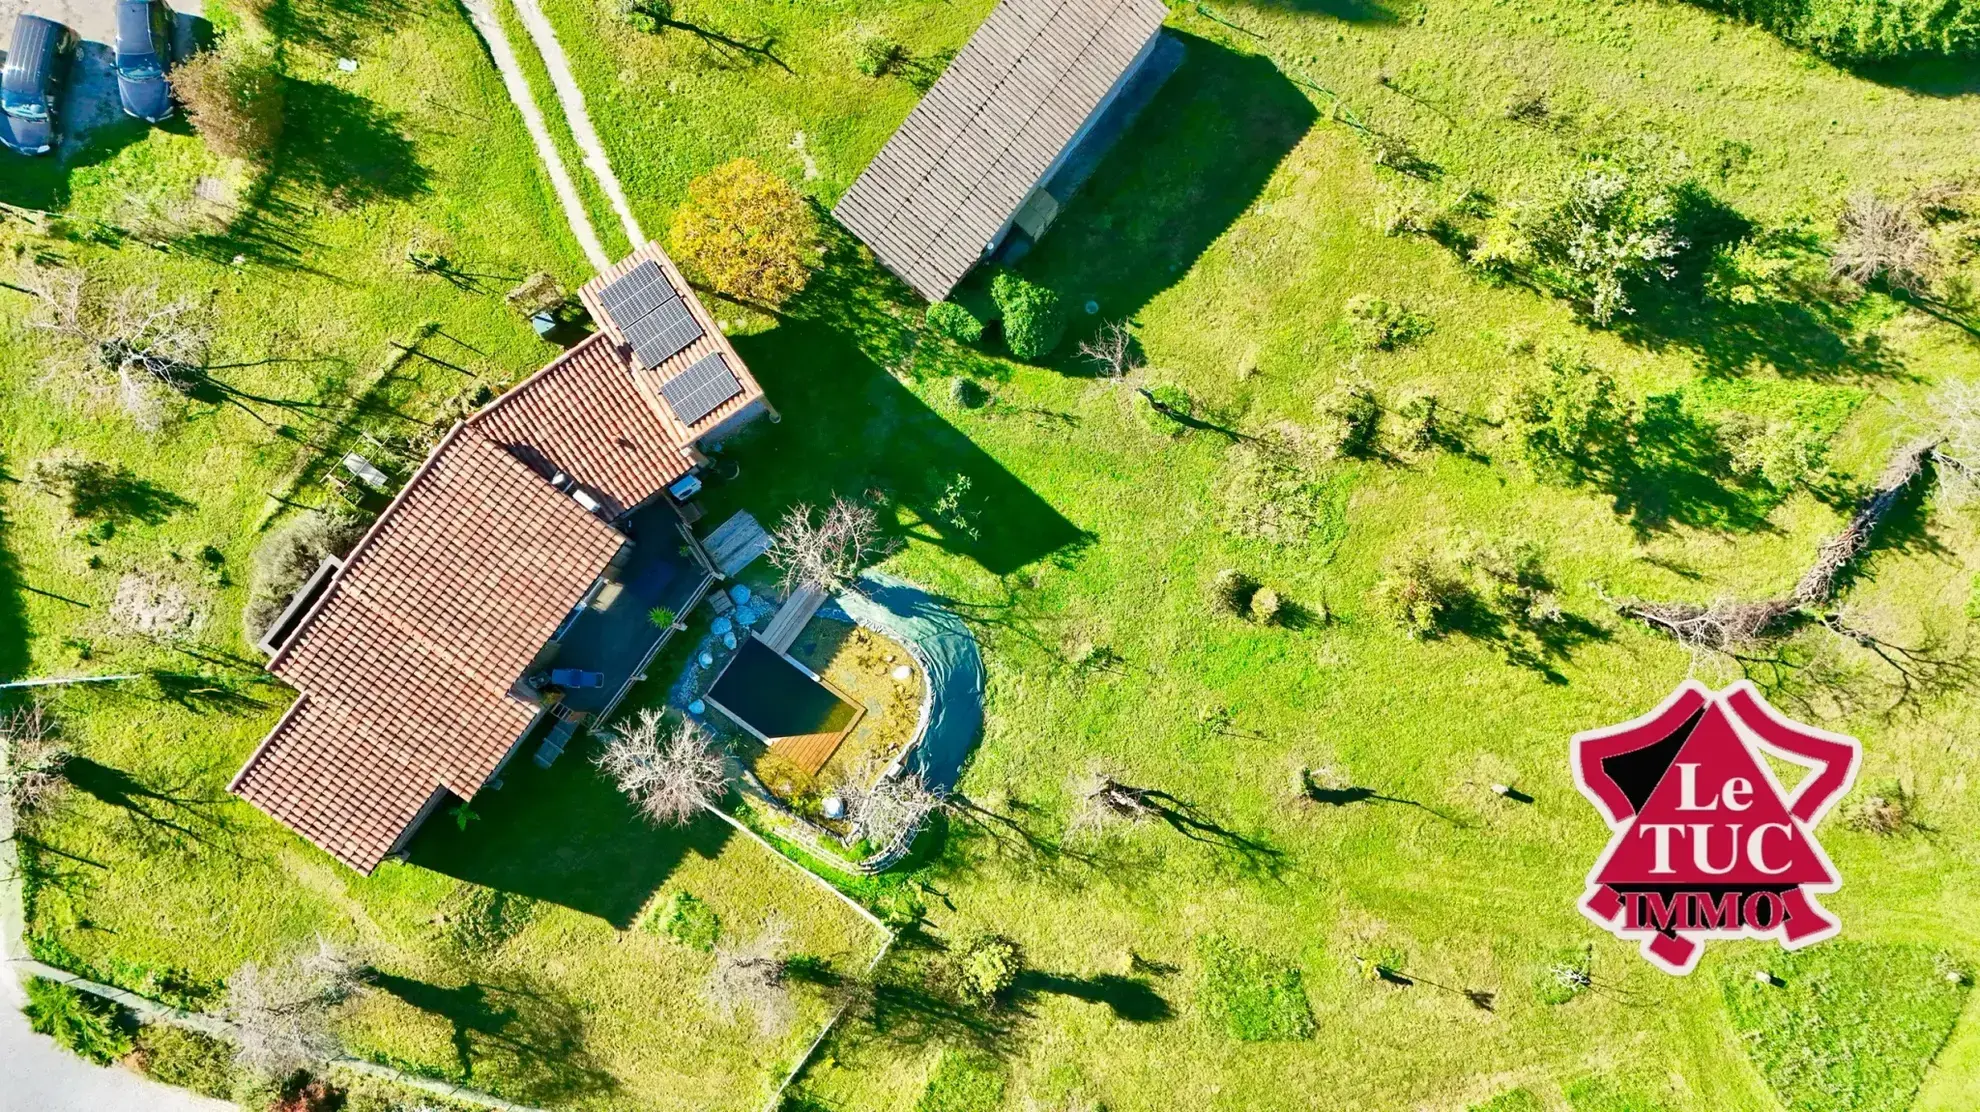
x=1707 y=842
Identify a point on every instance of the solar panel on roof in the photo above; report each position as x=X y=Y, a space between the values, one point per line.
x=661 y=334
x=636 y=293
x=701 y=389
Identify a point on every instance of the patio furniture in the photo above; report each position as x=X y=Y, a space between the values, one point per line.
x=362 y=468
x=575 y=678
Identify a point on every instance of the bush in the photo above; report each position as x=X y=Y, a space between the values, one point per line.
x=1250 y=998
x=648 y=17
x=88 y=1026
x=688 y=921
x=1571 y=420
x=1858 y=31
x=968 y=393
x=1266 y=606
x=987 y=968
x=947 y=318
x=1231 y=592
x=1351 y=420
x=747 y=232
x=1604 y=227
x=1421 y=595
x=879 y=56
x=187 y=1060
x=1034 y=315
x=234 y=97
x=1886 y=810
x=287 y=559
x=1168 y=405
x=1375 y=324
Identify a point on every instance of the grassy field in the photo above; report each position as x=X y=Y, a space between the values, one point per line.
x=1231 y=227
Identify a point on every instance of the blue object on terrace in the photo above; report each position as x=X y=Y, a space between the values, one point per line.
x=576 y=677
x=721 y=625
x=739 y=592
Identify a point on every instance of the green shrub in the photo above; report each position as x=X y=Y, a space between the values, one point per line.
x=1571 y=420
x=879 y=56
x=661 y=617
x=955 y=321
x=286 y=560
x=987 y=968
x=234 y=98
x=1249 y=997
x=688 y=921
x=1563 y=976
x=648 y=17
x=1034 y=316
x=1848 y=1025
x=1266 y=606
x=1167 y=405
x=1422 y=594
x=963 y=1081
x=1351 y=420
x=1858 y=31
x=187 y=1060
x=1376 y=324
x=1604 y=227
x=89 y=1026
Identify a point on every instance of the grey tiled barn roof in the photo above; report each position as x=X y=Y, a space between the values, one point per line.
x=971 y=151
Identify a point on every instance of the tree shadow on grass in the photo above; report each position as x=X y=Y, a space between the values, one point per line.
x=564 y=835
x=1799 y=330
x=1188 y=169
x=13 y=614
x=863 y=430
x=44 y=182
x=1132 y=999
x=98 y=491
x=522 y=1039
x=179 y=813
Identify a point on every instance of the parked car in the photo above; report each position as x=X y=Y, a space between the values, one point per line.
x=31 y=86
x=144 y=53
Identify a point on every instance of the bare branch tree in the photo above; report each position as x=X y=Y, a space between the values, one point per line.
x=885 y=810
x=31 y=758
x=670 y=773
x=282 y=1014
x=134 y=346
x=1956 y=409
x=1877 y=239
x=749 y=977
x=1112 y=351
x=1100 y=801
x=826 y=552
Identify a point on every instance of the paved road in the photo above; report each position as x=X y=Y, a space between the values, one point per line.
x=91 y=101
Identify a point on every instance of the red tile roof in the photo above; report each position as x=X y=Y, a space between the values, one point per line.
x=409 y=661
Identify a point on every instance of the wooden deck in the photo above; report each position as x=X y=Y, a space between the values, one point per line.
x=791 y=618
x=735 y=543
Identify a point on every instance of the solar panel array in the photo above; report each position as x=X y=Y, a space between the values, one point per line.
x=653 y=318
x=701 y=389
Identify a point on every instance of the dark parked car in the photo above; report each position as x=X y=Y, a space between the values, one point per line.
x=31 y=88
x=144 y=53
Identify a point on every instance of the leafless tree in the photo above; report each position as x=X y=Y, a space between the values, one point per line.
x=749 y=977
x=31 y=758
x=1112 y=351
x=671 y=773
x=1878 y=239
x=1956 y=409
x=1100 y=801
x=825 y=552
x=887 y=809
x=133 y=345
x=282 y=1014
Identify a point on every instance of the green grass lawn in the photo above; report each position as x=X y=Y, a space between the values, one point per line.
x=1232 y=226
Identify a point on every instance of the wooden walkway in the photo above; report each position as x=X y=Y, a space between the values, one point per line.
x=791 y=618
x=735 y=543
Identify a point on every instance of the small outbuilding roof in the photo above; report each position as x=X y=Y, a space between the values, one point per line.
x=949 y=181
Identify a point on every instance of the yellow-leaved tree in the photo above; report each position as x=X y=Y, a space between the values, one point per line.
x=747 y=233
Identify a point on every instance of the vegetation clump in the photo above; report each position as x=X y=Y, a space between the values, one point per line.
x=748 y=233
x=1351 y=420
x=1231 y=592
x=32 y=754
x=1571 y=420
x=1887 y=810
x=286 y=560
x=1276 y=491
x=988 y=967
x=87 y=1025
x=879 y=56
x=1601 y=229
x=670 y=773
x=1563 y=977
x=234 y=97
x=1877 y=240
x=648 y=17
x=1378 y=324
x=963 y=1081
x=1866 y=31
x=1248 y=996
x=688 y=921
x=1422 y=593
x=1034 y=316
x=955 y=321
x=187 y=1060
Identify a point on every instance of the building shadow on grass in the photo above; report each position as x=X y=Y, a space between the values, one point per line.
x=564 y=835
x=1195 y=160
x=856 y=428
x=525 y=1041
